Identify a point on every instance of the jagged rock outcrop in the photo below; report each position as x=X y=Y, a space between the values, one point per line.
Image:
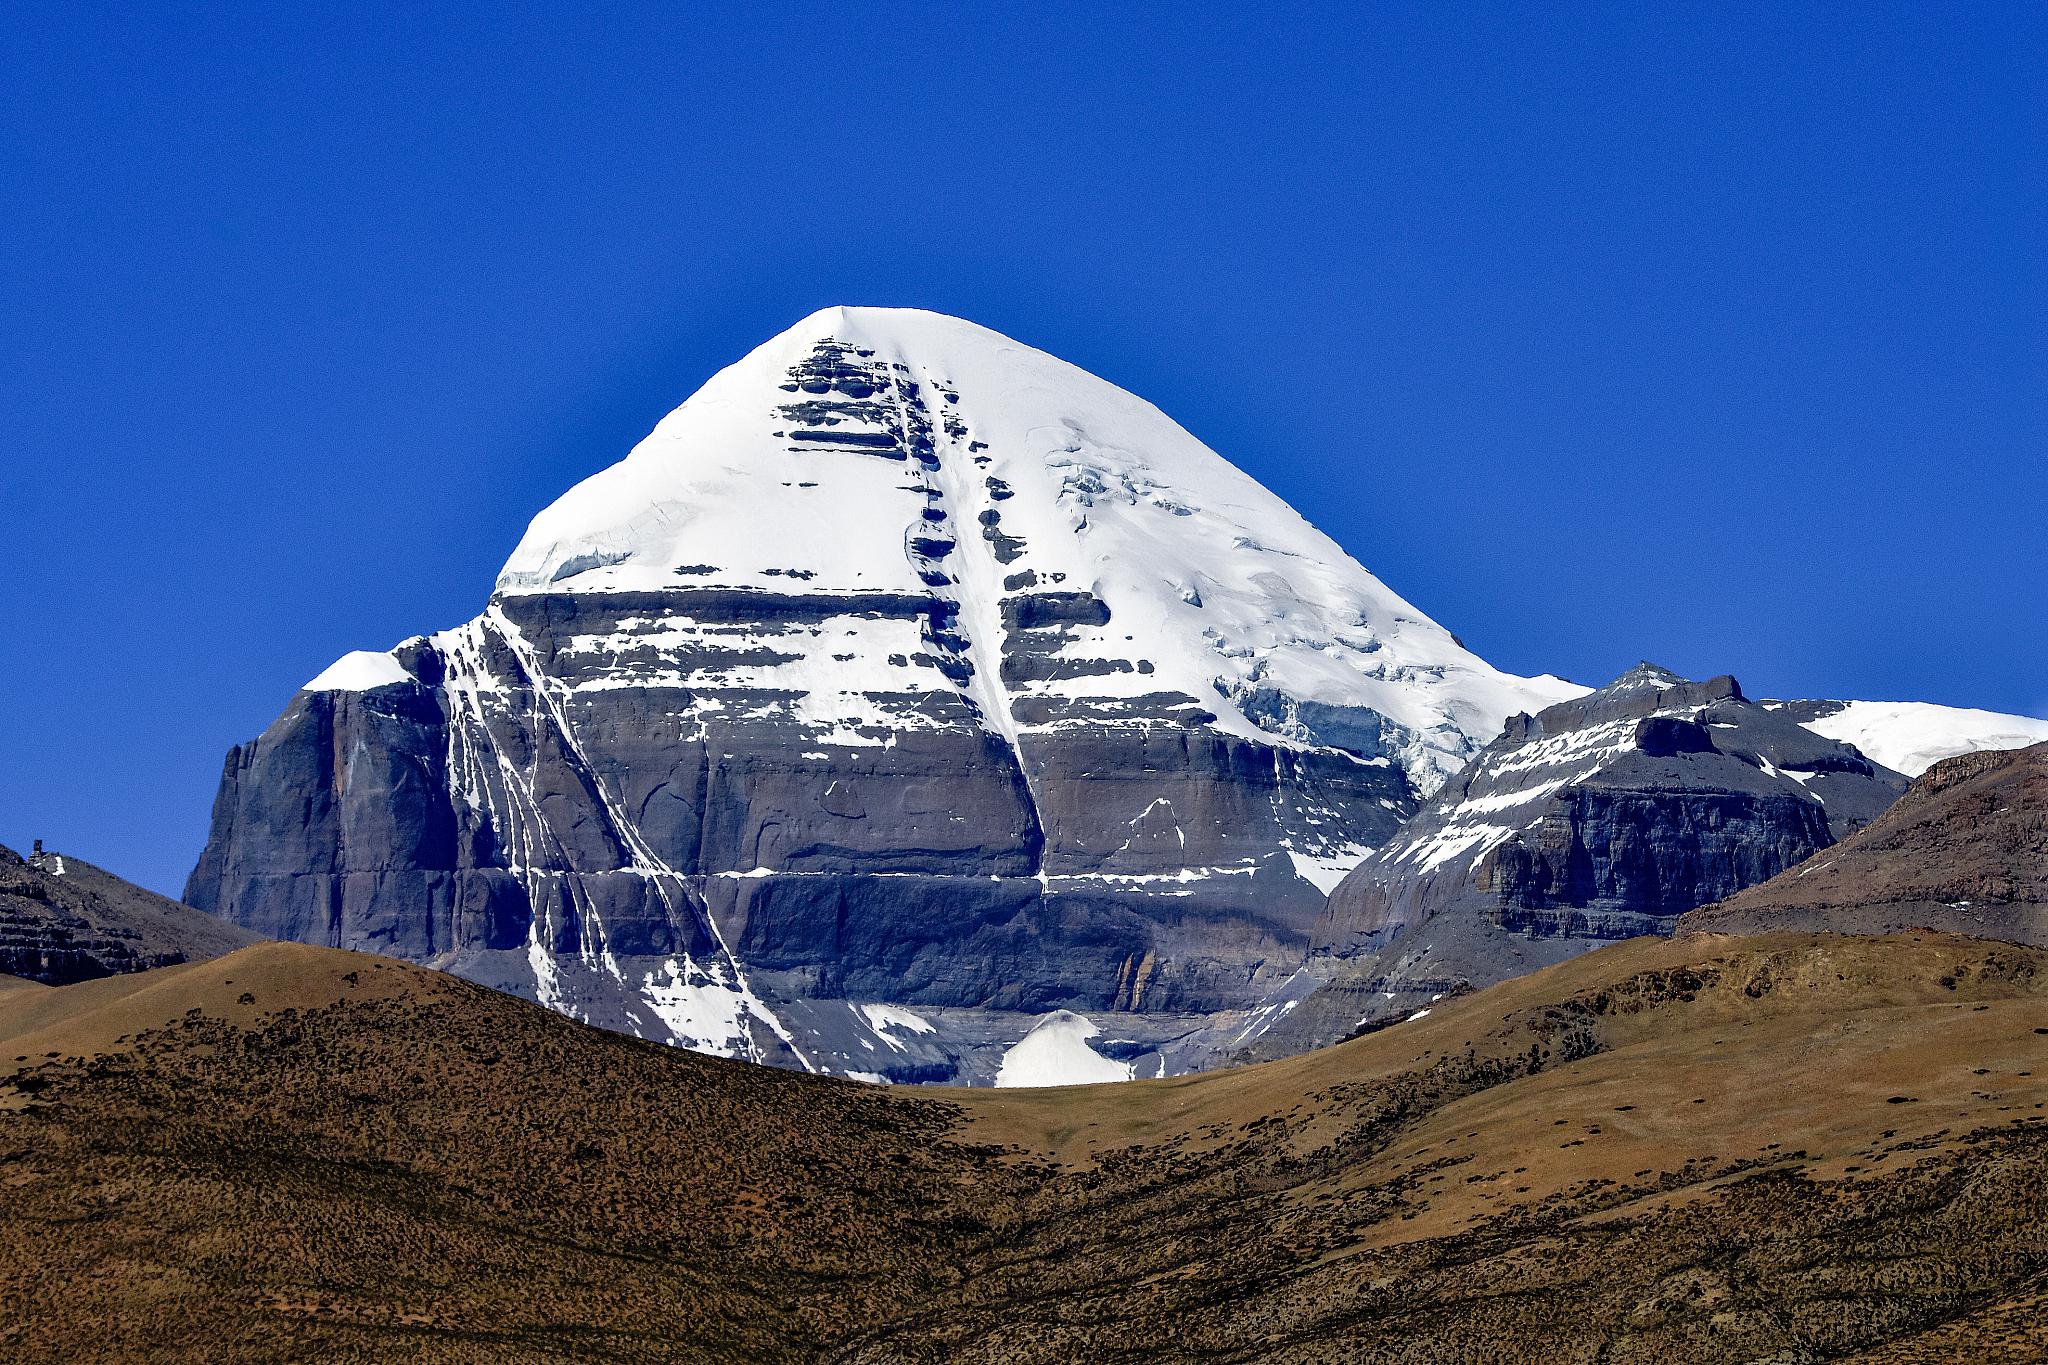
x=1600 y=818
x=902 y=666
x=1965 y=850
x=64 y=920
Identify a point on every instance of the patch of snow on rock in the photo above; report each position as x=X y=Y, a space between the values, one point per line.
x=359 y=670
x=1056 y=1052
x=883 y=1018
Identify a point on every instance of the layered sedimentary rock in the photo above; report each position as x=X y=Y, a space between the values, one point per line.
x=1965 y=850
x=904 y=668
x=64 y=920
x=1600 y=818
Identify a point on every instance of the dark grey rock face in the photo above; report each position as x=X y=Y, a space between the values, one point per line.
x=64 y=920
x=533 y=790
x=1599 y=819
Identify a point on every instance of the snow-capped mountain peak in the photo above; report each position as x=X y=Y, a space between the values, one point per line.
x=904 y=664
x=873 y=450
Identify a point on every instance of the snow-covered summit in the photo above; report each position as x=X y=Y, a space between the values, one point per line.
x=872 y=450
x=359 y=670
x=902 y=664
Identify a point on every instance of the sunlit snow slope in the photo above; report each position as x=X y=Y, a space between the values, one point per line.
x=1912 y=736
x=976 y=468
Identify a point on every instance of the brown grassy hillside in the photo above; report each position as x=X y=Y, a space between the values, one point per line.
x=1790 y=1147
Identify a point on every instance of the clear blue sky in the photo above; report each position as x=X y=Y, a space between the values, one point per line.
x=1709 y=334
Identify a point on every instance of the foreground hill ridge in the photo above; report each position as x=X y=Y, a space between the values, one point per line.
x=1694 y=1149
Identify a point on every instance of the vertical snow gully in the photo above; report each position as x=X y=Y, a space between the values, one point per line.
x=663 y=877
x=965 y=574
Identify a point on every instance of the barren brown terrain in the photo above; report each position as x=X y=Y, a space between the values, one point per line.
x=1783 y=1148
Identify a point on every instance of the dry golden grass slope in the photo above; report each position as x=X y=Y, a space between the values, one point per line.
x=1786 y=1148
